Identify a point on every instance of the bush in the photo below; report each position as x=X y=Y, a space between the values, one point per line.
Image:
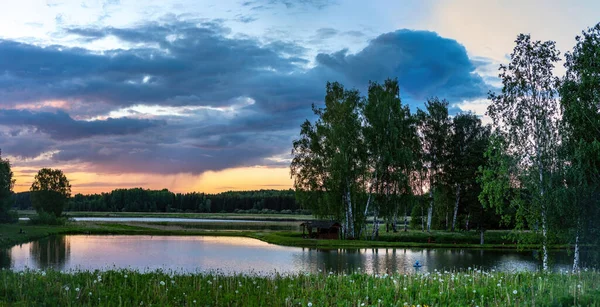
x=45 y=218
x=9 y=217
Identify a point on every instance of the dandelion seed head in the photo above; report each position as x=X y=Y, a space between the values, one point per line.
x=514 y=291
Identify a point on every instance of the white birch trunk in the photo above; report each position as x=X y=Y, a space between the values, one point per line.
x=576 y=255
x=544 y=218
x=349 y=215
x=375 y=225
x=545 y=240
x=481 y=236
x=456 y=207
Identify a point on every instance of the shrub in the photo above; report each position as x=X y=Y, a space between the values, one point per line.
x=44 y=218
x=9 y=217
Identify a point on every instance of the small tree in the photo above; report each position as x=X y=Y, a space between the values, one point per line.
x=6 y=185
x=50 y=191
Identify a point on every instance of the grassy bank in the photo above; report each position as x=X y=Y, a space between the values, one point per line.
x=127 y=288
x=10 y=235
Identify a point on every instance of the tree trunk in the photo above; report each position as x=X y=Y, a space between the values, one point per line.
x=405 y=220
x=456 y=206
x=422 y=220
x=430 y=209
x=375 y=233
x=349 y=216
x=481 y=231
x=467 y=222
x=576 y=253
x=544 y=219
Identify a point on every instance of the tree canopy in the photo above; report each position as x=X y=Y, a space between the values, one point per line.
x=6 y=185
x=50 y=191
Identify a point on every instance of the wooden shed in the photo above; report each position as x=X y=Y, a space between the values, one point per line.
x=321 y=229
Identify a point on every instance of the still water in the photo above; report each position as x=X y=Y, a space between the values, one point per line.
x=231 y=255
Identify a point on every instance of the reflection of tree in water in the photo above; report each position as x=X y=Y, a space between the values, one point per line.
x=53 y=252
x=5 y=258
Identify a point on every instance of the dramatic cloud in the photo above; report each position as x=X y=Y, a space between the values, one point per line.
x=424 y=63
x=188 y=97
x=60 y=126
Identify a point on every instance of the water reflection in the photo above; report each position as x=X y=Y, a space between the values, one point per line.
x=51 y=252
x=5 y=258
x=245 y=255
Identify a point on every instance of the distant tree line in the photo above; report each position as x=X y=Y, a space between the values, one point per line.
x=145 y=200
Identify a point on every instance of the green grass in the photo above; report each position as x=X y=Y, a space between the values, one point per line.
x=10 y=235
x=128 y=288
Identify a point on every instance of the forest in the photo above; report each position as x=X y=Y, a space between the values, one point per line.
x=144 y=200
x=535 y=168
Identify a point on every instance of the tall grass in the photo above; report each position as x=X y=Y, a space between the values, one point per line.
x=466 y=288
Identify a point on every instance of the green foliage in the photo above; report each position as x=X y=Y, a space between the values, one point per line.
x=391 y=140
x=329 y=163
x=456 y=288
x=525 y=115
x=6 y=185
x=434 y=131
x=579 y=199
x=50 y=191
x=45 y=218
x=145 y=200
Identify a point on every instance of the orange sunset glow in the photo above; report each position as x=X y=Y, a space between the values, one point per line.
x=235 y=179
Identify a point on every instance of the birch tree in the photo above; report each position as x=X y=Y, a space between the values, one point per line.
x=434 y=128
x=580 y=102
x=525 y=113
x=390 y=137
x=328 y=160
x=467 y=144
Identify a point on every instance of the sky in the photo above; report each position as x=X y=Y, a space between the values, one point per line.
x=208 y=96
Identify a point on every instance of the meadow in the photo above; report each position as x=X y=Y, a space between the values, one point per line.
x=465 y=288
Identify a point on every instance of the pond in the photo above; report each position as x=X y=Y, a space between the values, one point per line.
x=231 y=255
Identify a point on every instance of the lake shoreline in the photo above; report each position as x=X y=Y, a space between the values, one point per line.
x=10 y=236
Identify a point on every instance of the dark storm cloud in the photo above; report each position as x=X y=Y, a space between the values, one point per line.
x=60 y=126
x=424 y=63
x=185 y=64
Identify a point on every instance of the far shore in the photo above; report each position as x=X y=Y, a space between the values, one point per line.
x=22 y=232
